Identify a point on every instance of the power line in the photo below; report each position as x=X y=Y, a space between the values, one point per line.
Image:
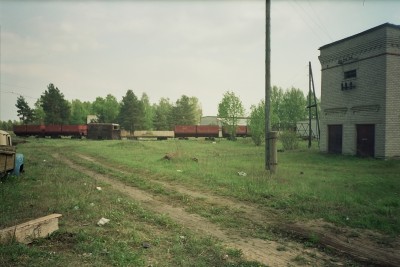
x=18 y=94
x=311 y=18
x=312 y=23
x=306 y=22
x=11 y=91
x=320 y=24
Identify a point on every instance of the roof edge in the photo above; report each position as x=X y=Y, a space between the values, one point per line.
x=390 y=25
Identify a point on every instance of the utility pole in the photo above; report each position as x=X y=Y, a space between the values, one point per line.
x=270 y=137
x=311 y=104
x=0 y=73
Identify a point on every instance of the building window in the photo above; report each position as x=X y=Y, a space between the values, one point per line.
x=350 y=79
x=350 y=74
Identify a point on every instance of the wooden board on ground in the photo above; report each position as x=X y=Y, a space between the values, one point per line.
x=26 y=232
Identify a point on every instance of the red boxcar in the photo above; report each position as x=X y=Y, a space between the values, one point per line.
x=19 y=130
x=36 y=130
x=27 y=130
x=241 y=131
x=53 y=130
x=74 y=130
x=185 y=131
x=207 y=130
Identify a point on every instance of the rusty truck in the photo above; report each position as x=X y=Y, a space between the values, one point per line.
x=10 y=161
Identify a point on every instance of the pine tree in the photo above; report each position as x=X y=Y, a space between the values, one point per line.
x=25 y=113
x=131 y=112
x=55 y=107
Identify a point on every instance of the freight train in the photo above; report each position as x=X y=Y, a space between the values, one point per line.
x=111 y=131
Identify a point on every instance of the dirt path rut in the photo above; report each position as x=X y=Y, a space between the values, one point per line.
x=253 y=249
x=342 y=240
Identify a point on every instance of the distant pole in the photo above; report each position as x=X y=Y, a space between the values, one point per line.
x=267 y=85
x=309 y=105
x=0 y=74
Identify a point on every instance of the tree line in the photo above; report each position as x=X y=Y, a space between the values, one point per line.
x=137 y=113
x=132 y=112
x=287 y=108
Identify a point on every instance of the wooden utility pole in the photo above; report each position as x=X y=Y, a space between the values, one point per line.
x=312 y=103
x=0 y=73
x=270 y=148
x=309 y=105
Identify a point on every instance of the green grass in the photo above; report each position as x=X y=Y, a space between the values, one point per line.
x=48 y=186
x=360 y=193
x=344 y=190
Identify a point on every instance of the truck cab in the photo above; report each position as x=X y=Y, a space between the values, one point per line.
x=10 y=161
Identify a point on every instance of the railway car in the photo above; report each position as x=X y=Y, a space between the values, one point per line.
x=186 y=131
x=54 y=131
x=76 y=131
x=159 y=135
x=208 y=131
x=241 y=131
x=103 y=131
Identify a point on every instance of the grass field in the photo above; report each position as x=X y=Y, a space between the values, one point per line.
x=344 y=190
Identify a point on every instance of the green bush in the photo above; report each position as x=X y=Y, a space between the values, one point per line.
x=289 y=140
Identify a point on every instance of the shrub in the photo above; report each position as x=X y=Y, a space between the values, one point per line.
x=289 y=140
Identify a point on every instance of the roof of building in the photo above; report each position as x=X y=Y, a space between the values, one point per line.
x=362 y=33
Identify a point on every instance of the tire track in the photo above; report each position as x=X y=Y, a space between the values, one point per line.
x=360 y=246
x=253 y=249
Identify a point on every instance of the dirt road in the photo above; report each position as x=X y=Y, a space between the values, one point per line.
x=272 y=253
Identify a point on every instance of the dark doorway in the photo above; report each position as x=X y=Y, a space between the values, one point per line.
x=366 y=140
x=335 y=134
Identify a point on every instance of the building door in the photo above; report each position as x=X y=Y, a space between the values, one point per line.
x=366 y=140
x=335 y=134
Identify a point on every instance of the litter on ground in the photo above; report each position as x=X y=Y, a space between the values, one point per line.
x=103 y=221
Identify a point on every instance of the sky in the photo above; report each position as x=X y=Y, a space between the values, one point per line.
x=168 y=48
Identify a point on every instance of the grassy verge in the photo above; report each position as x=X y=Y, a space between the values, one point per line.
x=50 y=187
x=345 y=190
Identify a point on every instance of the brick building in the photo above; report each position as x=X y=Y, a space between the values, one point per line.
x=360 y=93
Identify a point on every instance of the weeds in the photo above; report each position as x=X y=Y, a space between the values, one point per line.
x=49 y=186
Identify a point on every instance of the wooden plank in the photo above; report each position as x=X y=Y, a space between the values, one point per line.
x=26 y=232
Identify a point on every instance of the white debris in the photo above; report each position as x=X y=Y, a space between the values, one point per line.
x=103 y=221
x=98 y=188
x=179 y=170
x=242 y=174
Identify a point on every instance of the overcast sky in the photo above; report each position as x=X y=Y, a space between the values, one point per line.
x=170 y=48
